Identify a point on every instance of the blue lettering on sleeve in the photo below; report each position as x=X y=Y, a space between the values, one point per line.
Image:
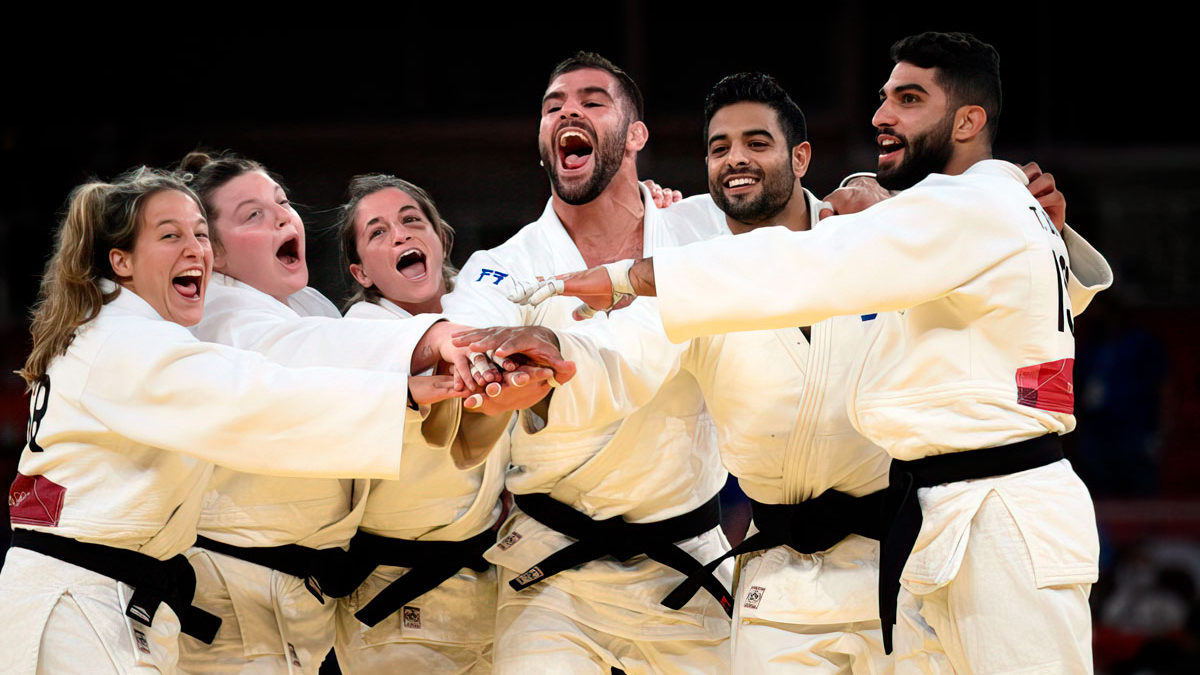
x=498 y=276
x=868 y=317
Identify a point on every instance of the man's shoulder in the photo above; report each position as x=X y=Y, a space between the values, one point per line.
x=694 y=219
x=532 y=250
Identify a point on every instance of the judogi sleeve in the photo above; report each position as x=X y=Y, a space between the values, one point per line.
x=240 y=320
x=621 y=364
x=239 y=410
x=912 y=248
x=1089 y=271
x=480 y=295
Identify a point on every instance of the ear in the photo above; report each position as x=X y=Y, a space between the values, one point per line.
x=636 y=137
x=219 y=258
x=801 y=154
x=122 y=262
x=969 y=121
x=360 y=275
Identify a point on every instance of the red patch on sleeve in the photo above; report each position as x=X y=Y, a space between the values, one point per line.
x=1048 y=386
x=35 y=500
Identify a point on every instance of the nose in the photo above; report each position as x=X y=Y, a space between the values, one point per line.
x=737 y=155
x=884 y=115
x=193 y=245
x=284 y=215
x=401 y=233
x=570 y=108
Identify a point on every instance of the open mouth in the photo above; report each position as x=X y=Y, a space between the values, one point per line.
x=740 y=181
x=411 y=265
x=289 y=252
x=889 y=146
x=574 y=148
x=189 y=284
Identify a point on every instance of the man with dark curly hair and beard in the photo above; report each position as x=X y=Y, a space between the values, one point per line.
x=610 y=516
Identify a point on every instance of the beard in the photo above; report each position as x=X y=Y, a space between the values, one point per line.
x=606 y=161
x=777 y=183
x=927 y=153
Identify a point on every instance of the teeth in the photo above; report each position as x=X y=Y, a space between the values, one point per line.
x=738 y=182
x=192 y=273
x=888 y=143
x=562 y=140
x=409 y=252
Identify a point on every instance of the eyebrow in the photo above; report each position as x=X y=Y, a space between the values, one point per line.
x=899 y=89
x=406 y=207
x=559 y=94
x=750 y=132
x=177 y=223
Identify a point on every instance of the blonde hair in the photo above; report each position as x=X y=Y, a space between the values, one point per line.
x=366 y=185
x=100 y=217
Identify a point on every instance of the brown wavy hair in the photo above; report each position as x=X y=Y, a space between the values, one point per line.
x=366 y=185
x=207 y=172
x=99 y=217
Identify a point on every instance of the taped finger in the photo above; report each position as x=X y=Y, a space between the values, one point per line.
x=503 y=362
x=480 y=365
x=547 y=290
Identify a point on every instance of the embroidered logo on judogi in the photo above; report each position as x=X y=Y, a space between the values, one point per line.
x=412 y=616
x=143 y=644
x=529 y=577
x=507 y=542
x=35 y=500
x=754 y=597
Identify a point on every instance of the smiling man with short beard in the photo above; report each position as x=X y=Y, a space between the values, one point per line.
x=925 y=153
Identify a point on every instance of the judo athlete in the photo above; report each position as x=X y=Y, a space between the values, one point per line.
x=609 y=517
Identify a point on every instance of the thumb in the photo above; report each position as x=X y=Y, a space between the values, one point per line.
x=824 y=210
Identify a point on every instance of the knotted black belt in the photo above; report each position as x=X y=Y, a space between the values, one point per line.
x=904 y=511
x=807 y=527
x=622 y=540
x=430 y=562
x=318 y=568
x=172 y=581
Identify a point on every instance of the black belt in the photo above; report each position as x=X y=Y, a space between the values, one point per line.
x=430 y=562
x=904 y=511
x=622 y=540
x=317 y=567
x=808 y=527
x=172 y=581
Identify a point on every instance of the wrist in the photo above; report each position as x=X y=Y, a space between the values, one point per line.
x=641 y=277
x=860 y=177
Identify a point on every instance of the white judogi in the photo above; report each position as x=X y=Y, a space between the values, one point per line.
x=778 y=401
x=135 y=412
x=443 y=493
x=973 y=351
x=658 y=462
x=270 y=618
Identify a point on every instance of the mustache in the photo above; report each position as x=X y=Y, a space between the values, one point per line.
x=575 y=124
x=889 y=131
x=744 y=171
